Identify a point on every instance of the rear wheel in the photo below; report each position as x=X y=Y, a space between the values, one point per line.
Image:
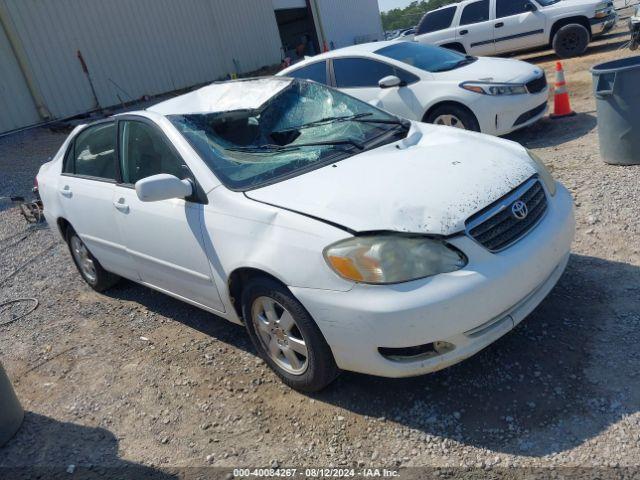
x=571 y=40
x=453 y=116
x=286 y=337
x=88 y=266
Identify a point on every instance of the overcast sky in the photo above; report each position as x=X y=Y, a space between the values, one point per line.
x=391 y=4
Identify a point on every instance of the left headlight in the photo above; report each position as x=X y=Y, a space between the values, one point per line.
x=495 y=88
x=392 y=258
x=544 y=173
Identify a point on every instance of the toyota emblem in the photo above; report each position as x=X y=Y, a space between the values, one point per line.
x=519 y=210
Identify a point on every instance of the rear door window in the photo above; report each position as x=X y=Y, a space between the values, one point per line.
x=364 y=72
x=506 y=8
x=475 y=13
x=316 y=72
x=437 y=20
x=95 y=152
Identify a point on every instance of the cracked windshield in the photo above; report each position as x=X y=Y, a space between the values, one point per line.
x=303 y=127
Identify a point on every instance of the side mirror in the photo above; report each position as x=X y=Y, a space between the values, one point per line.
x=530 y=7
x=390 y=82
x=163 y=187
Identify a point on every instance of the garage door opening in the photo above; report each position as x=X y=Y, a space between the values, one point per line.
x=297 y=33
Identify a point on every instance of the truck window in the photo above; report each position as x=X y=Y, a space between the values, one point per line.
x=436 y=20
x=475 y=13
x=506 y=8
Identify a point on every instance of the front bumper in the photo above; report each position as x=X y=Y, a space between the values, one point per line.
x=600 y=26
x=500 y=115
x=470 y=308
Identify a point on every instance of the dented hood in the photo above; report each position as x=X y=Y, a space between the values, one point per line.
x=429 y=183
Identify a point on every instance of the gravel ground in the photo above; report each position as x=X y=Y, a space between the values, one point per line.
x=133 y=377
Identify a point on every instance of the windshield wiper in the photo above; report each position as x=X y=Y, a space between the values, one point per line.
x=262 y=148
x=359 y=117
x=346 y=141
x=268 y=148
x=460 y=63
x=323 y=121
x=388 y=121
x=465 y=61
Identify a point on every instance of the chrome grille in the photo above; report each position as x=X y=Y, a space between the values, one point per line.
x=537 y=84
x=496 y=227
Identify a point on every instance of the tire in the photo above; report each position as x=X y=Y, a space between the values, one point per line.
x=571 y=40
x=309 y=373
x=453 y=116
x=95 y=276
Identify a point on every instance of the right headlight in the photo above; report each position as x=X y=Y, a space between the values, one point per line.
x=543 y=173
x=498 y=89
x=392 y=258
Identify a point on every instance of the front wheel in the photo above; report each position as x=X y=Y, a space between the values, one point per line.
x=571 y=40
x=286 y=337
x=453 y=116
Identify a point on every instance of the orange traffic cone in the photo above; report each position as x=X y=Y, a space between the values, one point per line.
x=561 y=103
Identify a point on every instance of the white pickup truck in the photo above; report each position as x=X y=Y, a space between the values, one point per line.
x=490 y=27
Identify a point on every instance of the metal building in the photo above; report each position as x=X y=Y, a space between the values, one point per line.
x=60 y=58
x=327 y=23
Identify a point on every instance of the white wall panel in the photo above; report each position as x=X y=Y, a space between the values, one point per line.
x=284 y=4
x=16 y=105
x=348 y=21
x=138 y=47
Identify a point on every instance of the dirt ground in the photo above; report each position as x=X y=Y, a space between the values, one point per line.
x=135 y=378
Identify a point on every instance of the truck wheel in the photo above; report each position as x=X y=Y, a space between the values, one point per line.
x=571 y=40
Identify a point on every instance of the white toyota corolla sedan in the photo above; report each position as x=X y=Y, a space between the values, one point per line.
x=341 y=236
x=434 y=85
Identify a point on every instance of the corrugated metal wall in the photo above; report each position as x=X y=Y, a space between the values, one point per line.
x=346 y=22
x=136 y=47
x=16 y=105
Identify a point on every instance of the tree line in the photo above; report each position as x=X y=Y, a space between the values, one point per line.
x=410 y=15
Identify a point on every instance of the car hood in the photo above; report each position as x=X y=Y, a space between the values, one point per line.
x=429 y=183
x=488 y=69
x=572 y=5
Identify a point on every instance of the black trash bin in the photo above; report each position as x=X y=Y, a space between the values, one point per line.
x=616 y=86
x=11 y=413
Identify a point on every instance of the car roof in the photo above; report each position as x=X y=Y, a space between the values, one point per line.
x=361 y=48
x=245 y=94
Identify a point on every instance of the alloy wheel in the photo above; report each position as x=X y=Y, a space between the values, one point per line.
x=83 y=259
x=279 y=335
x=449 y=121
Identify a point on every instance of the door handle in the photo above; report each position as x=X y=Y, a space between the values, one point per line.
x=499 y=25
x=121 y=205
x=66 y=191
x=464 y=32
